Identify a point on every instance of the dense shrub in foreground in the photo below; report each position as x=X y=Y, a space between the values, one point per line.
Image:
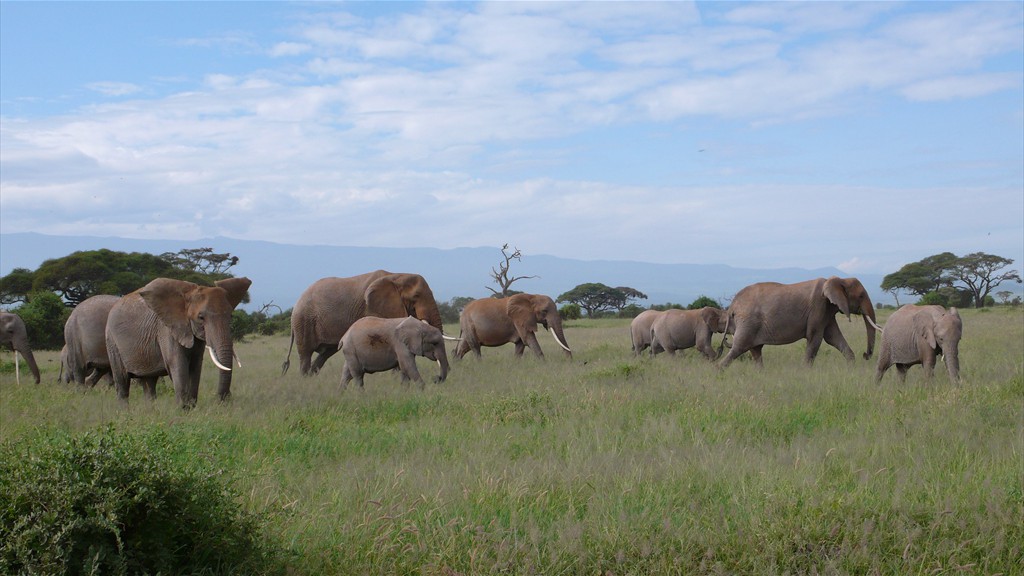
x=115 y=503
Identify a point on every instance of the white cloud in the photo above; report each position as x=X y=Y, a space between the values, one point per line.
x=114 y=88
x=282 y=49
x=458 y=125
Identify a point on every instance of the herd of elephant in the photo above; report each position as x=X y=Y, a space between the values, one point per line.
x=382 y=320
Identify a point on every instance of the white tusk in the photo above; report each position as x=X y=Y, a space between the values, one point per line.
x=872 y=322
x=564 y=347
x=438 y=363
x=447 y=337
x=17 y=369
x=237 y=359
x=218 y=364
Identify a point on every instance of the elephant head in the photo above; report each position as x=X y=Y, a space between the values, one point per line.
x=401 y=295
x=14 y=334
x=850 y=297
x=192 y=312
x=528 y=310
x=942 y=332
x=424 y=340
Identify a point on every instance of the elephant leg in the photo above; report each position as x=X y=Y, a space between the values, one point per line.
x=531 y=341
x=407 y=364
x=834 y=338
x=928 y=363
x=901 y=370
x=322 y=354
x=149 y=387
x=755 y=352
x=118 y=373
x=520 y=348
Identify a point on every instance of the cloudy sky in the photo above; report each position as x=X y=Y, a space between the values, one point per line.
x=863 y=135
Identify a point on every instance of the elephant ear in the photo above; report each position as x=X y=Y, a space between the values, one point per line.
x=834 y=291
x=383 y=299
x=168 y=299
x=924 y=327
x=236 y=289
x=409 y=333
x=710 y=317
x=521 y=310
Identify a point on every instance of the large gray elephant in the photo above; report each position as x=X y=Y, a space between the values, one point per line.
x=165 y=328
x=13 y=335
x=377 y=344
x=498 y=321
x=85 y=354
x=330 y=305
x=916 y=335
x=773 y=313
x=682 y=329
x=640 y=330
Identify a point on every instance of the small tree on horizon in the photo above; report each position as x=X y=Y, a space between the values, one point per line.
x=501 y=275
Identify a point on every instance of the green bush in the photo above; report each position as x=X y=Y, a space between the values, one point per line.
x=115 y=503
x=570 y=312
x=44 y=316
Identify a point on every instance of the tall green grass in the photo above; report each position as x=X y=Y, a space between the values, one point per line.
x=607 y=463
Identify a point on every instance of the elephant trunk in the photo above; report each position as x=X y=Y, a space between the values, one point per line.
x=870 y=323
x=27 y=353
x=222 y=358
x=952 y=360
x=442 y=361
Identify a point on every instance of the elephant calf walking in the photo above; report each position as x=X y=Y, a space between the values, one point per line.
x=917 y=335
x=681 y=329
x=378 y=344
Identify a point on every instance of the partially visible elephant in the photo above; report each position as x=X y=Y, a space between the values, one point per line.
x=330 y=305
x=165 y=327
x=682 y=329
x=773 y=313
x=85 y=340
x=374 y=344
x=640 y=330
x=916 y=335
x=498 y=321
x=14 y=336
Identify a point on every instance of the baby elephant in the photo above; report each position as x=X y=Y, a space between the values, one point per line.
x=916 y=335
x=374 y=344
x=680 y=329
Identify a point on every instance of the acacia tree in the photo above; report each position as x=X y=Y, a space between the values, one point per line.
x=922 y=277
x=501 y=274
x=596 y=298
x=82 y=274
x=944 y=276
x=981 y=273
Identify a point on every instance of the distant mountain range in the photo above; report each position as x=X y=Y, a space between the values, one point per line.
x=280 y=272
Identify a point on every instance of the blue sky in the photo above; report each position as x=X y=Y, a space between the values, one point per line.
x=858 y=135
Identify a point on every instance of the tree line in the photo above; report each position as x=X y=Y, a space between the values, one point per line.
x=45 y=296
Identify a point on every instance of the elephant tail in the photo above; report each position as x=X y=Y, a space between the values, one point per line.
x=288 y=358
x=725 y=334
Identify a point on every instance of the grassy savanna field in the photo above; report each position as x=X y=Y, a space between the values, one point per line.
x=605 y=463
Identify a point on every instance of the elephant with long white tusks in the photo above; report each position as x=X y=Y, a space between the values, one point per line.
x=918 y=335
x=166 y=327
x=14 y=335
x=773 y=313
x=499 y=321
x=378 y=344
x=329 y=306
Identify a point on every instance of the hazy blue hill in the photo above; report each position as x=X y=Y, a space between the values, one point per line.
x=280 y=272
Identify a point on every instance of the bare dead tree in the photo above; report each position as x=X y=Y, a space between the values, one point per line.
x=501 y=273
